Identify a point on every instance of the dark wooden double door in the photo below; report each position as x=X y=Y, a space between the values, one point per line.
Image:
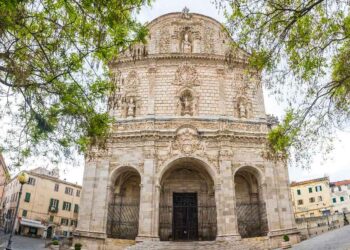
x=185 y=216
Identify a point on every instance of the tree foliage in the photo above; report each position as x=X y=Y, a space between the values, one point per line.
x=53 y=70
x=302 y=47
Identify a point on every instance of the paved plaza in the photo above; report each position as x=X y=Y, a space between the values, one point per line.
x=338 y=239
x=22 y=243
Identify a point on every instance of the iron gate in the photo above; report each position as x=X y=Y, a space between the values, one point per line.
x=206 y=222
x=123 y=220
x=252 y=220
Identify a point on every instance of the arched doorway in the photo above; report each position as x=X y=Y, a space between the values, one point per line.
x=123 y=208
x=250 y=205
x=187 y=208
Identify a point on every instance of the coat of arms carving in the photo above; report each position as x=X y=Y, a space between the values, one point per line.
x=186 y=75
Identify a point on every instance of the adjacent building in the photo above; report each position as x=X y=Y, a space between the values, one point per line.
x=4 y=179
x=341 y=196
x=47 y=206
x=311 y=198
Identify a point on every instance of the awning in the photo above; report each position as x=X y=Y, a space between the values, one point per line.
x=31 y=223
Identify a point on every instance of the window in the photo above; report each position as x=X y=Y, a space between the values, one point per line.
x=318 y=188
x=310 y=189
x=339 y=188
x=53 y=205
x=341 y=198
x=78 y=193
x=27 y=197
x=64 y=221
x=298 y=192
x=69 y=191
x=349 y=186
x=57 y=186
x=76 y=208
x=66 y=206
x=65 y=233
x=51 y=218
x=319 y=198
x=312 y=199
x=73 y=223
x=24 y=213
x=31 y=181
x=334 y=200
x=300 y=202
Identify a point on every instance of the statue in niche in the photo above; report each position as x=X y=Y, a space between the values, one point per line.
x=131 y=108
x=242 y=110
x=186 y=102
x=186 y=44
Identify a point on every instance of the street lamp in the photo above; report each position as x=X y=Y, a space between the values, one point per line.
x=22 y=179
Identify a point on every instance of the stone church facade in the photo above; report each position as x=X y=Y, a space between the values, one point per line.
x=184 y=160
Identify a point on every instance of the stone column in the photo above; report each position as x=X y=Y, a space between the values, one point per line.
x=149 y=201
x=225 y=197
x=151 y=74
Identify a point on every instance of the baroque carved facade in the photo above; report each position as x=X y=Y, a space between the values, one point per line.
x=190 y=128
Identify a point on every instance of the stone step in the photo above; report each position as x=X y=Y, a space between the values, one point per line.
x=246 y=244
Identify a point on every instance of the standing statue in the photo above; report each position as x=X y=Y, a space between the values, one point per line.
x=186 y=44
x=242 y=110
x=131 y=108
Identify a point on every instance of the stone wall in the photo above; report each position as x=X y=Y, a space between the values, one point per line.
x=313 y=226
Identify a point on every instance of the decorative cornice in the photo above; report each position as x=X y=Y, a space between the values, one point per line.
x=177 y=56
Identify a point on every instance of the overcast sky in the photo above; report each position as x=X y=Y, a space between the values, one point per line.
x=336 y=167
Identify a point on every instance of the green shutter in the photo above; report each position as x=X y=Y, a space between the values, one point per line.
x=27 y=197
x=24 y=213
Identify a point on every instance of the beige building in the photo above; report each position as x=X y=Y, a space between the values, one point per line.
x=184 y=160
x=341 y=196
x=48 y=206
x=4 y=179
x=311 y=198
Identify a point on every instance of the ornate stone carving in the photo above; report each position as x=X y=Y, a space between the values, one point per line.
x=243 y=107
x=185 y=13
x=186 y=103
x=164 y=42
x=186 y=75
x=208 y=40
x=226 y=154
x=187 y=142
x=132 y=82
x=186 y=43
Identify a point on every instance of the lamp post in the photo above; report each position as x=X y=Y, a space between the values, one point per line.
x=22 y=178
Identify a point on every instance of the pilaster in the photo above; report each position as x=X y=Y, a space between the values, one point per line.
x=224 y=197
x=149 y=200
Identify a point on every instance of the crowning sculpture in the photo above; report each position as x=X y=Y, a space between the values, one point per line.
x=184 y=157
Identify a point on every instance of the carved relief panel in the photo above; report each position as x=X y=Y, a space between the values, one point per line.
x=186 y=99
x=127 y=101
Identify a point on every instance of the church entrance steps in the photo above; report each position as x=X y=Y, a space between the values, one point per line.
x=118 y=244
x=257 y=243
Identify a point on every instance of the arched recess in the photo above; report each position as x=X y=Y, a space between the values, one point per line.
x=187 y=209
x=124 y=203
x=186 y=102
x=250 y=204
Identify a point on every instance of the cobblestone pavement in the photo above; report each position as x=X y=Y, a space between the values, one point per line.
x=338 y=239
x=22 y=243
